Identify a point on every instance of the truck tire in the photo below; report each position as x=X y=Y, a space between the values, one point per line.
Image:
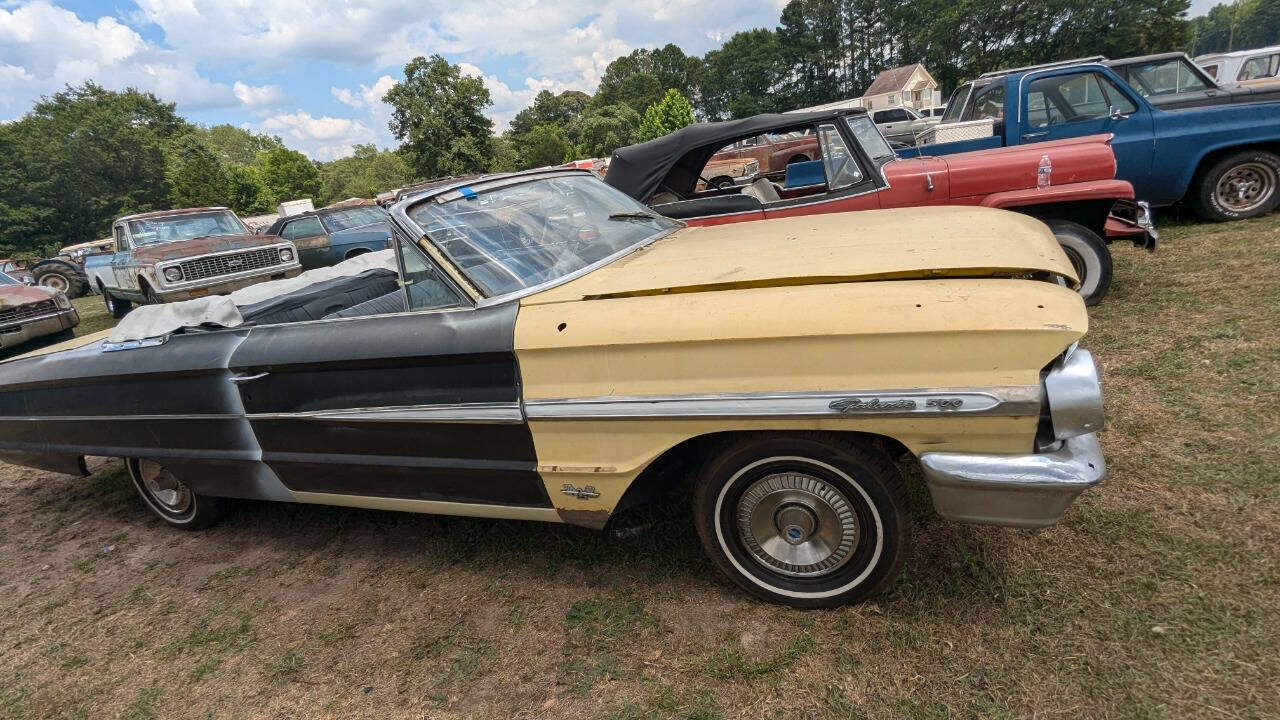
x=117 y=307
x=57 y=275
x=1088 y=254
x=804 y=519
x=1242 y=185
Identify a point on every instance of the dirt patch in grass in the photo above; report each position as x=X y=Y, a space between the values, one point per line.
x=1159 y=596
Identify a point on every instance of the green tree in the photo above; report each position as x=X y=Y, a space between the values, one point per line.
x=544 y=145
x=288 y=175
x=196 y=175
x=365 y=173
x=564 y=110
x=246 y=193
x=78 y=160
x=503 y=156
x=640 y=78
x=238 y=146
x=744 y=76
x=438 y=113
x=608 y=128
x=811 y=45
x=667 y=116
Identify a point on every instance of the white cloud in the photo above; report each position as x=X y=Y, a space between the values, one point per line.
x=260 y=96
x=322 y=138
x=44 y=47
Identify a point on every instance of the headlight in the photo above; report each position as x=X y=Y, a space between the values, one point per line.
x=173 y=274
x=1075 y=395
x=60 y=299
x=286 y=254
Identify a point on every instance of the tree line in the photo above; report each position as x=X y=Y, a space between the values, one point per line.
x=86 y=155
x=1239 y=25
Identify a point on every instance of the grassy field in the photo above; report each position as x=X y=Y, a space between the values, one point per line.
x=1158 y=597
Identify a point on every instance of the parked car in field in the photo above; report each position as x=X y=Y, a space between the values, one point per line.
x=1220 y=159
x=1259 y=67
x=1172 y=80
x=901 y=123
x=728 y=173
x=558 y=352
x=331 y=235
x=773 y=152
x=17 y=270
x=855 y=169
x=30 y=312
x=934 y=112
x=172 y=255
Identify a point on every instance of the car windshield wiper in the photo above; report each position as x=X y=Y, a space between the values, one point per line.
x=633 y=216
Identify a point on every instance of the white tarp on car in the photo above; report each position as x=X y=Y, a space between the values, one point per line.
x=149 y=321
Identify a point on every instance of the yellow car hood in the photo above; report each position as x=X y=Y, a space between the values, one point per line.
x=835 y=248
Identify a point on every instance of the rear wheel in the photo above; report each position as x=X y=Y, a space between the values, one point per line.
x=58 y=276
x=173 y=501
x=1241 y=185
x=1088 y=254
x=117 y=307
x=806 y=520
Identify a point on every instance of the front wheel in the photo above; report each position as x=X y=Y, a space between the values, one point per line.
x=117 y=307
x=1239 y=186
x=806 y=520
x=173 y=501
x=1089 y=255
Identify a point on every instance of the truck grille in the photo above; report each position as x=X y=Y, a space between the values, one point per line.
x=15 y=315
x=231 y=263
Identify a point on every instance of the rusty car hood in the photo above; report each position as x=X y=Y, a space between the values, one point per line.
x=201 y=246
x=912 y=243
x=17 y=295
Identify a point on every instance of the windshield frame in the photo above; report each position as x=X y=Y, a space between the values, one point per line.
x=401 y=222
x=133 y=240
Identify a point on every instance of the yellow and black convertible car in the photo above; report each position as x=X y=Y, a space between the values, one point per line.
x=539 y=345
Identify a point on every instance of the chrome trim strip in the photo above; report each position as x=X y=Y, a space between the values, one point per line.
x=483 y=413
x=1009 y=401
x=433 y=507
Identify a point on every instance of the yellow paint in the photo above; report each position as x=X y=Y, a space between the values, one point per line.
x=433 y=507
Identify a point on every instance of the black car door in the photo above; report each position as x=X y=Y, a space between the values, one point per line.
x=421 y=405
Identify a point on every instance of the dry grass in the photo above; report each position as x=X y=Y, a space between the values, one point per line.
x=1158 y=597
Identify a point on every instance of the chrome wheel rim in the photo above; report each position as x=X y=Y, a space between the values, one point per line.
x=164 y=488
x=797 y=524
x=55 y=282
x=1246 y=187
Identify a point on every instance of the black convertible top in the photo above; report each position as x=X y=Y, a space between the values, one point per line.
x=637 y=170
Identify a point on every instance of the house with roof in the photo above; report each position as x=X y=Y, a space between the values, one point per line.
x=907 y=86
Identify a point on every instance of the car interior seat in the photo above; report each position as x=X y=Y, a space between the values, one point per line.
x=763 y=190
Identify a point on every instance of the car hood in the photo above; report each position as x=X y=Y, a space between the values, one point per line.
x=18 y=295
x=201 y=246
x=912 y=243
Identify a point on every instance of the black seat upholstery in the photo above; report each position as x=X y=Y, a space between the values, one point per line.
x=322 y=299
x=392 y=302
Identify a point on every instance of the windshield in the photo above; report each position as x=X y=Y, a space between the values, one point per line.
x=6 y=280
x=955 y=105
x=354 y=217
x=172 y=228
x=869 y=136
x=517 y=236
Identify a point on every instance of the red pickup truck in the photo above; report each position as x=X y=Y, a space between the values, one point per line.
x=1069 y=184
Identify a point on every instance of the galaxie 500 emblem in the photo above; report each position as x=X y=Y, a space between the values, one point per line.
x=873 y=405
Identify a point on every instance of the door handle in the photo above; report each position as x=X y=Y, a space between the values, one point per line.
x=239 y=379
x=1042 y=133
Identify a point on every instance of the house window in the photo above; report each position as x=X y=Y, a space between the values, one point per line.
x=928 y=94
x=892 y=99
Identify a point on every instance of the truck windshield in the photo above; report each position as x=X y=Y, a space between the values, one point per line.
x=533 y=231
x=172 y=228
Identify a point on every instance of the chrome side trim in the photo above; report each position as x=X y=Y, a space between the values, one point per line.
x=1027 y=491
x=484 y=413
x=134 y=344
x=1012 y=401
x=432 y=507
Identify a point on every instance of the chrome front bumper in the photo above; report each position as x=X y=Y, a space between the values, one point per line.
x=32 y=328
x=1027 y=491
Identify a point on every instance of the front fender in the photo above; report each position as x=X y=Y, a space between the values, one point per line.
x=1070 y=192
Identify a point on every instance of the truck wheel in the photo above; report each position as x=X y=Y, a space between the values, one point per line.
x=806 y=520
x=59 y=276
x=173 y=501
x=1088 y=254
x=1240 y=185
x=117 y=307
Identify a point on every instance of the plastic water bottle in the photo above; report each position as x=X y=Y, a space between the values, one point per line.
x=1043 y=172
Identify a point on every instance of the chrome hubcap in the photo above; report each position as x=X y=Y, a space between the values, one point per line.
x=797 y=524
x=164 y=488
x=1246 y=187
x=57 y=282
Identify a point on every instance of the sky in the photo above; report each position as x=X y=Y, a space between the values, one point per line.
x=314 y=71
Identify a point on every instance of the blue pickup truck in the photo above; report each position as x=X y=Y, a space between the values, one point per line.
x=1221 y=159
